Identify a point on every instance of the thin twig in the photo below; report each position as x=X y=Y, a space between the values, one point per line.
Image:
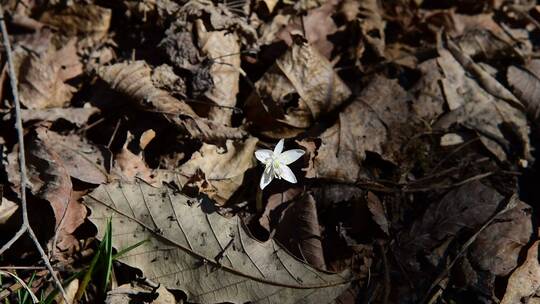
x=22 y=162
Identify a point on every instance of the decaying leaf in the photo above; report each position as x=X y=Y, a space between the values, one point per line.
x=209 y=257
x=223 y=168
x=364 y=125
x=525 y=280
x=298 y=89
x=134 y=80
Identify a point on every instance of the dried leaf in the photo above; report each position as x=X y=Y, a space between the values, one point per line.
x=463 y=209
x=220 y=18
x=129 y=165
x=7 y=209
x=525 y=280
x=525 y=82
x=429 y=103
x=42 y=75
x=223 y=168
x=317 y=24
x=497 y=248
x=209 y=257
x=473 y=107
x=363 y=126
x=224 y=47
x=275 y=205
x=134 y=80
x=377 y=211
x=88 y=21
x=77 y=116
x=372 y=26
x=300 y=88
x=299 y=231
x=82 y=160
x=48 y=177
x=127 y=293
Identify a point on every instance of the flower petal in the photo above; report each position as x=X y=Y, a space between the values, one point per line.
x=279 y=147
x=266 y=178
x=287 y=174
x=291 y=156
x=263 y=154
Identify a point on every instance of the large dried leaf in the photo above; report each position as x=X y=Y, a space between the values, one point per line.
x=223 y=169
x=298 y=89
x=525 y=280
x=210 y=257
x=365 y=125
x=134 y=80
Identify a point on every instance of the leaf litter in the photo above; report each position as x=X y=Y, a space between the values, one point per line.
x=418 y=119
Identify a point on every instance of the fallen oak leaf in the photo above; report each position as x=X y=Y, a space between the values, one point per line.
x=186 y=251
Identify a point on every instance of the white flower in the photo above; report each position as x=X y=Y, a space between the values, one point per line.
x=276 y=163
